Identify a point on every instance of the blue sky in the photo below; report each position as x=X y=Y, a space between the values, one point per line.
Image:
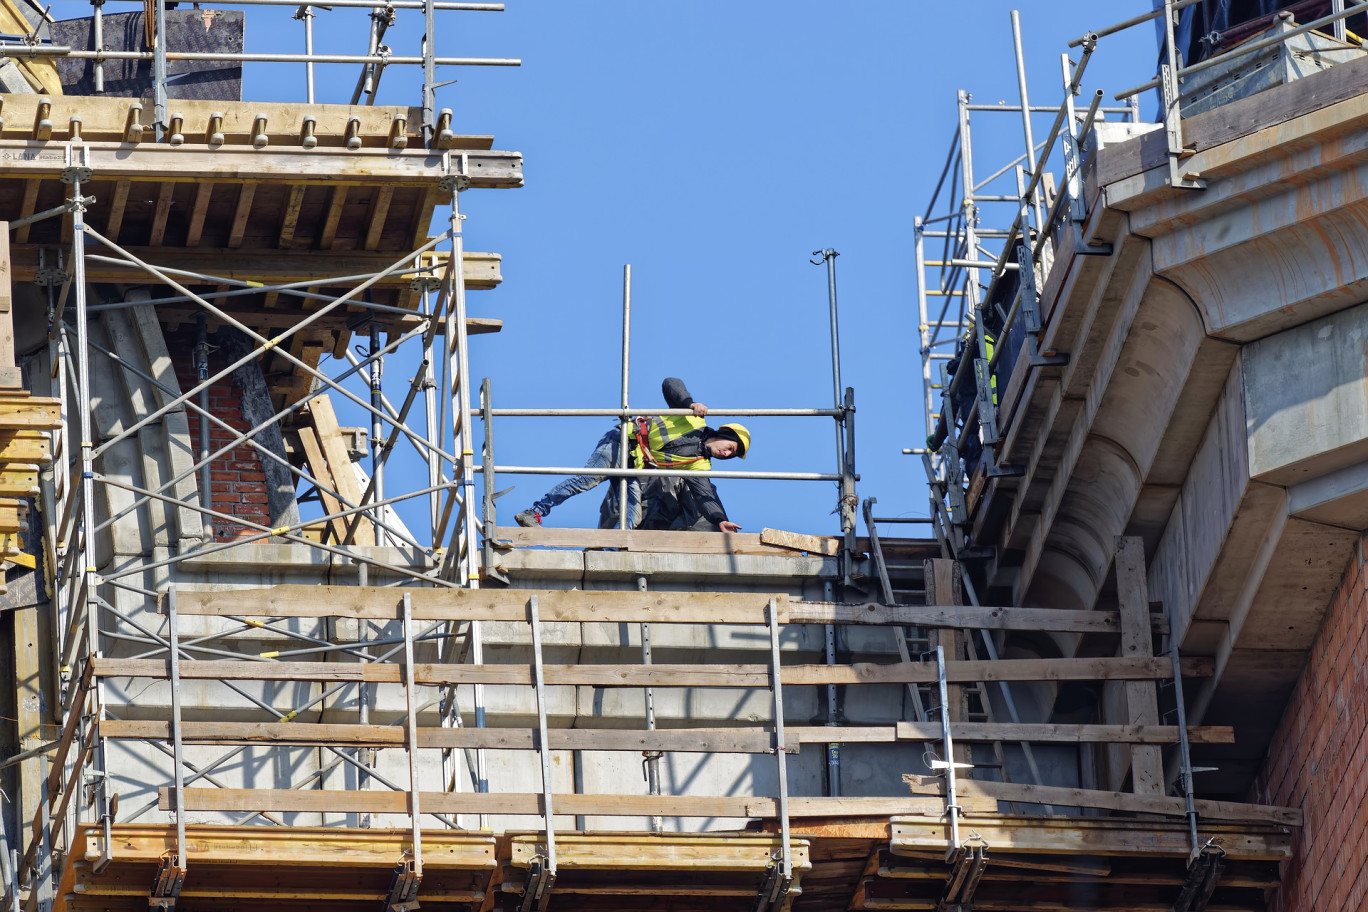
x=714 y=145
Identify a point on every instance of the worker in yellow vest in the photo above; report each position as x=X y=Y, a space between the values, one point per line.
x=661 y=442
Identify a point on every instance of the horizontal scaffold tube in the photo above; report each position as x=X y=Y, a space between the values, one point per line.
x=661 y=473
x=651 y=413
x=58 y=50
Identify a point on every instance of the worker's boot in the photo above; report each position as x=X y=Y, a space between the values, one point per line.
x=530 y=518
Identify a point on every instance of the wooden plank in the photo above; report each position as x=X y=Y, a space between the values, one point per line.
x=963 y=617
x=234 y=885
x=243 y=210
x=29 y=413
x=27 y=665
x=273 y=165
x=27 y=208
x=339 y=462
x=9 y=374
x=117 y=206
x=290 y=219
x=246 y=310
x=160 y=212
x=1095 y=836
x=379 y=211
x=321 y=471
x=1025 y=793
x=1057 y=732
x=520 y=803
x=103 y=119
x=1080 y=866
x=483 y=604
x=621 y=854
x=1142 y=697
x=203 y=192
x=234 y=846
x=723 y=740
x=941 y=581
x=635 y=540
x=680 y=675
x=609 y=606
x=327 y=238
x=815 y=544
x=714 y=740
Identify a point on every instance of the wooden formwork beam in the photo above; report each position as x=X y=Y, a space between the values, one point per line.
x=743 y=740
x=676 y=675
x=526 y=803
x=626 y=607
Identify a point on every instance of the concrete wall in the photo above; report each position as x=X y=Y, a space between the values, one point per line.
x=1308 y=398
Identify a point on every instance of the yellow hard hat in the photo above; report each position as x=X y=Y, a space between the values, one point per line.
x=742 y=436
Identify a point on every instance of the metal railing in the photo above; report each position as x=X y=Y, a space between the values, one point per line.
x=843 y=414
x=383 y=15
x=988 y=317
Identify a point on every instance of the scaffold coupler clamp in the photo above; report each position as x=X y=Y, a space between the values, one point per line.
x=403 y=888
x=967 y=864
x=1203 y=874
x=647 y=758
x=775 y=887
x=166 y=887
x=541 y=877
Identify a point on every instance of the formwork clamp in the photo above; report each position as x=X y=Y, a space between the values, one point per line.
x=403 y=889
x=166 y=887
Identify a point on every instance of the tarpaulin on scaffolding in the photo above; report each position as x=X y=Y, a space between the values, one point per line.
x=1212 y=26
x=212 y=31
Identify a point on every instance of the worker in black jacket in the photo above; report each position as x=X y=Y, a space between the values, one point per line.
x=661 y=442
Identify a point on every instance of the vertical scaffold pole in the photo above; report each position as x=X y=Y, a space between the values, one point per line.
x=624 y=452
x=433 y=434
x=159 y=70
x=176 y=747
x=1031 y=163
x=411 y=693
x=923 y=324
x=463 y=442
x=1184 y=746
x=780 y=752
x=430 y=73
x=487 y=472
x=951 y=798
x=548 y=876
x=377 y=486
x=307 y=14
x=650 y=757
x=98 y=26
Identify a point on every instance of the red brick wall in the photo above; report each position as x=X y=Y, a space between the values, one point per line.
x=236 y=479
x=1318 y=760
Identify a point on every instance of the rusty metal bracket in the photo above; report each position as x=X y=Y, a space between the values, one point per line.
x=166 y=887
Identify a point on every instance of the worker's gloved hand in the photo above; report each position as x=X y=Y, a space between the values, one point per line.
x=728 y=526
x=931 y=443
x=699 y=409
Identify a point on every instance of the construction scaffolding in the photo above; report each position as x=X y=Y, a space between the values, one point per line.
x=979 y=310
x=230 y=701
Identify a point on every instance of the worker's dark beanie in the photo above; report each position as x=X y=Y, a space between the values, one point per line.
x=729 y=434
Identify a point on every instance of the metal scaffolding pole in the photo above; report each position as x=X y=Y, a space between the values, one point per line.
x=463 y=547
x=624 y=454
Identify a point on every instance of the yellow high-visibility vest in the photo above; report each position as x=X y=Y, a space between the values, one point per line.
x=653 y=433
